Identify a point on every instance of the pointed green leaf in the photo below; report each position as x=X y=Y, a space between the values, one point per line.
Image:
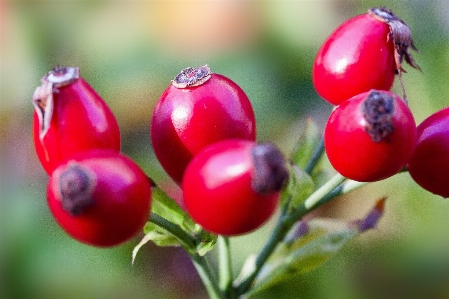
x=206 y=244
x=158 y=235
x=247 y=269
x=309 y=139
x=166 y=207
x=322 y=174
x=299 y=187
x=136 y=249
x=310 y=244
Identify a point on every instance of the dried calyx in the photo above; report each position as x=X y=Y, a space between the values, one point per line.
x=372 y=219
x=401 y=35
x=190 y=77
x=270 y=173
x=76 y=185
x=378 y=110
x=43 y=94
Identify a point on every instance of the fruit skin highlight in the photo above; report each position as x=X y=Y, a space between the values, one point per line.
x=363 y=53
x=232 y=187
x=199 y=108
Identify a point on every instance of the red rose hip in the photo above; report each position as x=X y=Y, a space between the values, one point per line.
x=70 y=117
x=199 y=108
x=232 y=187
x=429 y=165
x=371 y=136
x=99 y=197
x=363 y=53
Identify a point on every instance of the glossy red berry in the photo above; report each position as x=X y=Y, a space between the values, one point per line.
x=199 y=108
x=371 y=136
x=99 y=197
x=429 y=165
x=232 y=187
x=70 y=117
x=363 y=53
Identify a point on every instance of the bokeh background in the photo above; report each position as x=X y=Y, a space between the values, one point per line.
x=129 y=51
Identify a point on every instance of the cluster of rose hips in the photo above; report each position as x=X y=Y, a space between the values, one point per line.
x=371 y=134
x=96 y=194
x=203 y=132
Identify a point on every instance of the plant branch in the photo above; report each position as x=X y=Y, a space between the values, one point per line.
x=189 y=244
x=187 y=241
x=316 y=196
x=316 y=156
x=225 y=266
x=207 y=276
x=284 y=224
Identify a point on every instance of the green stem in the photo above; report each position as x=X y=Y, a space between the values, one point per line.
x=284 y=224
x=189 y=244
x=280 y=230
x=187 y=241
x=225 y=266
x=316 y=156
x=207 y=276
x=316 y=196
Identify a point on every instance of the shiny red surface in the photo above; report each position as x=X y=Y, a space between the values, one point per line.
x=217 y=190
x=122 y=200
x=429 y=165
x=81 y=121
x=352 y=152
x=357 y=57
x=186 y=120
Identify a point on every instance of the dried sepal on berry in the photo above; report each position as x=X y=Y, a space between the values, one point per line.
x=190 y=77
x=378 y=111
x=401 y=35
x=43 y=95
x=270 y=172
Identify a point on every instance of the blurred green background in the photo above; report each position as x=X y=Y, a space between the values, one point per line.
x=129 y=51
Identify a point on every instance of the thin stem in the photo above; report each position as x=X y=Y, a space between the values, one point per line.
x=344 y=188
x=284 y=224
x=279 y=232
x=187 y=241
x=330 y=185
x=225 y=266
x=207 y=276
x=341 y=189
x=200 y=262
x=316 y=156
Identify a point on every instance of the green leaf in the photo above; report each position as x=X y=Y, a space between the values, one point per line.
x=166 y=207
x=247 y=269
x=308 y=141
x=206 y=243
x=138 y=246
x=322 y=174
x=310 y=244
x=158 y=235
x=303 y=254
x=299 y=187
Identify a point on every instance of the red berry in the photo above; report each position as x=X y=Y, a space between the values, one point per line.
x=232 y=187
x=429 y=165
x=100 y=197
x=362 y=54
x=199 y=108
x=70 y=117
x=371 y=136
